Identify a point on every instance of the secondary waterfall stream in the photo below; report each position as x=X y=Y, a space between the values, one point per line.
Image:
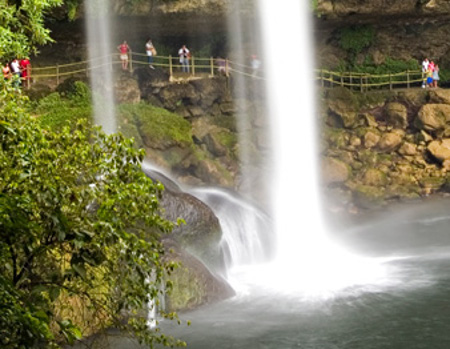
x=317 y=293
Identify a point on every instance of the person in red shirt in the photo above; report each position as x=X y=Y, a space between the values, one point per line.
x=25 y=68
x=123 y=49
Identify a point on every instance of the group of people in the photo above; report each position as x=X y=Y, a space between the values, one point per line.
x=17 y=70
x=184 y=55
x=151 y=52
x=431 y=74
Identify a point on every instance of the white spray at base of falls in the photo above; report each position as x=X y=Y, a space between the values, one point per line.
x=307 y=260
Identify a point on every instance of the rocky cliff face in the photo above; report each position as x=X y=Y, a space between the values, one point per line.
x=385 y=146
x=374 y=8
x=403 y=30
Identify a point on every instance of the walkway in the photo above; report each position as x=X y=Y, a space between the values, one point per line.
x=199 y=67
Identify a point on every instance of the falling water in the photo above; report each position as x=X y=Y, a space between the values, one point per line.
x=100 y=62
x=304 y=248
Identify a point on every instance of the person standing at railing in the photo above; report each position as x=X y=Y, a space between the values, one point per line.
x=124 y=49
x=6 y=72
x=425 y=65
x=221 y=66
x=184 y=54
x=436 y=76
x=25 y=68
x=151 y=52
x=15 y=70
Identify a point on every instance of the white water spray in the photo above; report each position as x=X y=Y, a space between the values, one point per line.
x=307 y=261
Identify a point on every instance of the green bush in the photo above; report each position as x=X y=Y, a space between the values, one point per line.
x=356 y=38
x=56 y=110
x=158 y=127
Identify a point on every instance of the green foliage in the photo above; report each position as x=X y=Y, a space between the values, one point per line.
x=356 y=38
x=78 y=218
x=21 y=26
x=159 y=127
x=58 y=110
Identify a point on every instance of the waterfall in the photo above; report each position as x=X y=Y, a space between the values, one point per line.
x=307 y=260
x=246 y=229
x=100 y=65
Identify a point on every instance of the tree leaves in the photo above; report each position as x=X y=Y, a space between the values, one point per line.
x=78 y=220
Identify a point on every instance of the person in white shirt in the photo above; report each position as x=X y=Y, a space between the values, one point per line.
x=150 y=49
x=425 y=65
x=15 y=70
x=184 y=54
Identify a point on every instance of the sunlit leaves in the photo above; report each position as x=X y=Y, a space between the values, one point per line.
x=21 y=26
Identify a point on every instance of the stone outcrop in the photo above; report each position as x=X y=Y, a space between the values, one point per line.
x=396 y=149
x=351 y=8
x=440 y=149
x=397 y=115
x=196 y=245
x=434 y=117
x=334 y=171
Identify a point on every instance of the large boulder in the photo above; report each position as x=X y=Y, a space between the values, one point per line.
x=126 y=90
x=175 y=95
x=202 y=234
x=371 y=138
x=440 y=149
x=440 y=96
x=374 y=177
x=434 y=117
x=193 y=284
x=211 y=91
x=396 y=115
x=390 y=141
x=408 y=149
x=334 y=171
x=344 y=104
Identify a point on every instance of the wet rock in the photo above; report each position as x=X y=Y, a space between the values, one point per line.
x=212 y=91
x=440 y=149
x=344 y=104
x=126 y=90
x=433 y=117
x=390 y=141
x=374 y=177
x=368 y=197
x=408 y=149
x=371 y=138
x=334 y=171
x=174 y=95
x=193 y=284
x=396 y=115
x=440 y=96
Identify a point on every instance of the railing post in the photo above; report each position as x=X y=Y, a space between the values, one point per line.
x=28 y=76
x=57 y=74
x=131 y=61
x=390 y=81
x=170 y=67
x=211 y=60
x=193 y=65
x=342 y=80
x=361 y=78
x=227 y=73
x=407 y=78
x=321 y=78
x=351 y=80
